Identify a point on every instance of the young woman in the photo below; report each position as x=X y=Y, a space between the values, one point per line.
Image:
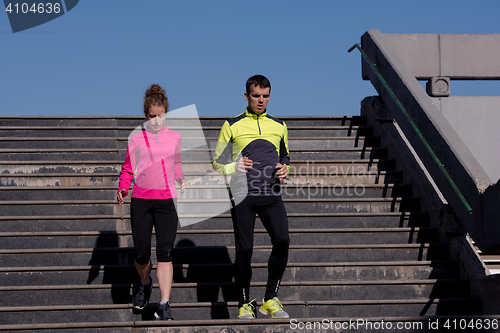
x=154 y=157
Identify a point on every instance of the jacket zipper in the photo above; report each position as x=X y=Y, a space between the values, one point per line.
x=258 y=123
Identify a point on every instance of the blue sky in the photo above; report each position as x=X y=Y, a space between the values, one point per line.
x=99 y=58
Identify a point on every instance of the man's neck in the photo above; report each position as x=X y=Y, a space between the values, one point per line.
x=257 y=113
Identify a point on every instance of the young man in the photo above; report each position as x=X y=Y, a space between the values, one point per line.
x=253 y=149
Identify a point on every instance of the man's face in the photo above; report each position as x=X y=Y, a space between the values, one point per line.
x=258 y=98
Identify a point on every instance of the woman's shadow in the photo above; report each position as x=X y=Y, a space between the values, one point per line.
x=115 y=266
x=212 y=271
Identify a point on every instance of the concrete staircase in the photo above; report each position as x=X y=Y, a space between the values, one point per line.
x=360 y=245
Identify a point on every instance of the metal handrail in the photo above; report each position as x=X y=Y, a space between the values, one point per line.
x=412 y=123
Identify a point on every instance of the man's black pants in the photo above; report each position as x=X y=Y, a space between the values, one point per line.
x=273 y=216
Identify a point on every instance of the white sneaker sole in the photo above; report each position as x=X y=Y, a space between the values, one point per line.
x=158 y=317
x=268 y=314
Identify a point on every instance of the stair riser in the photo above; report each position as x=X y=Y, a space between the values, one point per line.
x=80 y=316
x=214 y=293
x=227 y=239
x=170 y=120
x=215 y=208
x=289 y=192
x=347 y=221
x=207 y=132
x=313 y=167
x=340 y=155
x=121 y=143
x=62 y=156
x=345 y=183
x=55 y=210
x=224 y=255
x=60 y=181
x=216 y=223
x=456 y=308
x=60 y=168
x=330 y=312
x=187 y=155
x=22 y=145
x=128 y=274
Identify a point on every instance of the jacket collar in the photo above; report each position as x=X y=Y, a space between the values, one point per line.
x=149 y=130
x=253 y=115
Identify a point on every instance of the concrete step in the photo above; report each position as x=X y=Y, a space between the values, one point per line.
x=334 y=167
x=223 y=221
x=203 y=291
x=29 y=144
x=292 y=191
x=214 y=206
x=94 y=273
x=188 y=252
x=350 y=236
x=305 y=314
x=353 y=180
x=100 y=154
x=212 y=314
x=139 y=119
x=19 y=143
x=28 y=167
x=185 y=131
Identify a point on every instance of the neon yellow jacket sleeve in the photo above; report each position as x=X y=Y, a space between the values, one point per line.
x=223 y=161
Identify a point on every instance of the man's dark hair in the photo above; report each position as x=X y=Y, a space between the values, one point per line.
x=258 y=80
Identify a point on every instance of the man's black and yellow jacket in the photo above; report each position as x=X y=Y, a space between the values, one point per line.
x=260 y=137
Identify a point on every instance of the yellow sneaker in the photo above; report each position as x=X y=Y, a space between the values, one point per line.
x=247 y=310
x=273 y=308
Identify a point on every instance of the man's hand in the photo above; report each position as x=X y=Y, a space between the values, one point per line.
x=282 y=172
x=120 y=195
x=244 y=164
x=182 y=184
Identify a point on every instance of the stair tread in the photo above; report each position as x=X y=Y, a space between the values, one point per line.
x=63 y=150
x=114 y=188
x=255 y=265
x=124 y=138
x=213 y=231
x=50 y=127
x=113 y=202
x=252 y=284
x=346 y=161
x=420 y=300
x=257 y=247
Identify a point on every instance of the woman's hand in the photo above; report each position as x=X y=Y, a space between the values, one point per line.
x=120 y=195
x=182 y=183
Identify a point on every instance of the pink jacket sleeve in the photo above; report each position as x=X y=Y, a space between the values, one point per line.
x=127 y=172
x=177 y=161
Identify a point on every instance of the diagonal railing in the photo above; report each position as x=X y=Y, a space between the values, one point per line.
x=414 y=126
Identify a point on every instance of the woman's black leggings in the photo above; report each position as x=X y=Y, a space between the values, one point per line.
x=160 y=213
x=273 y=216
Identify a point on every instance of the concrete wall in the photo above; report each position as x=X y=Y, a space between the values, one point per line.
x=459 y=57
x=476 y=119
x=469 y=177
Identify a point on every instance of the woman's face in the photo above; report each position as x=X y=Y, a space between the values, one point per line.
x=156 y=117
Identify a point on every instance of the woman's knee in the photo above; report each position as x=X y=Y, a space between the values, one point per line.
x=164 y=253
x=142 y=257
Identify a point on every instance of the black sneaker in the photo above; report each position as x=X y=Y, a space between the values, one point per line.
x=163 y=312
x=141 y=297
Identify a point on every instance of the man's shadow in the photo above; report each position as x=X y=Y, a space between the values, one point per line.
x=211 y=269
